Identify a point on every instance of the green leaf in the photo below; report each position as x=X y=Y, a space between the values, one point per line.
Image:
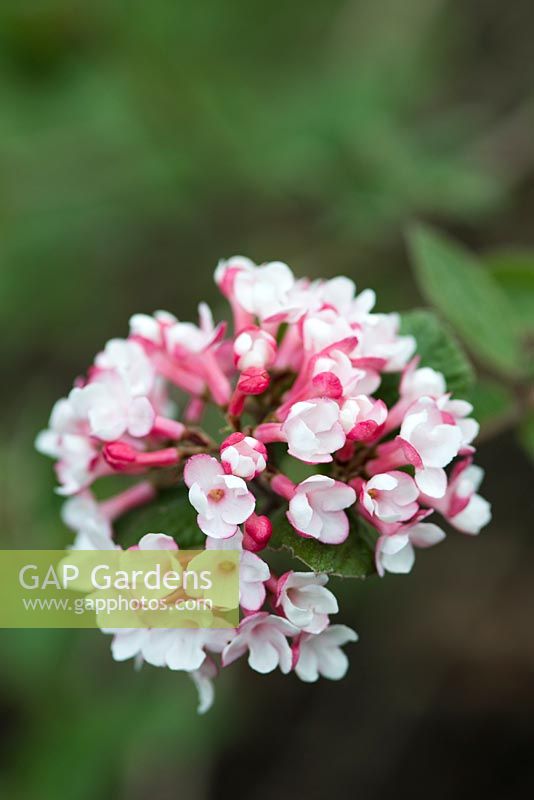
x=468 y=296
x=438 y=348
x=514 y=272
x=352 y=559
x=170 y=513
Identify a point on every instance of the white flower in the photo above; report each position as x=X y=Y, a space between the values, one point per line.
x=111 y=409
x=203 y=680
x=458 y=411
x=128 y=642
x=379 y=338
x=264 y=637
x=422 y=382
x=474 y=516
x=223 y=501
x=462 y=506
x=321 y=654
x=232 y=265
x=390 y=496
x=316 y=509
x=305 y=601
x=362 y=416
x=152 y=329
x=313 y=430
x=254 y=347
x=354 y=381
x=78 y=459
x=128 y=359
x=253 y=573
x=434 y=443
x=340 y=292
x=243 y=456
x=395 y=553
x=83 y=513
x=183 y=648
x=190 y=337
x=321 y=329
x=263 y=291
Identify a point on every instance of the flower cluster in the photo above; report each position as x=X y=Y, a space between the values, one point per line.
x=298 y=381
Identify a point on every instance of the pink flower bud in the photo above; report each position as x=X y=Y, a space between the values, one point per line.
x=258 y=531
x=253 y=380
x=326 y=384
x=125 y=458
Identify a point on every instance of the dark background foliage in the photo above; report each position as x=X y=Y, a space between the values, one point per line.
x=140 y=142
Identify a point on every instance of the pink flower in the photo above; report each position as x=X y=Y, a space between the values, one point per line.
x=186 y=336
x=112 y=411
x=128 y=360
x=264 y=291
x=321 y=654
x=422 y=382
x=395 y=553
x=457 y=411
x=324 y=328
x=462 y=506
x=253 y=573
x=305 y=601
x=225 y=276
x=264 y=637
x=152 y=329
x=362 y=417
x=313 y=430
x=378 y=337
x=434 y=442
x=316 y=509
x=340 y=294
x=354 y=381
x=415 y=383
x=243 y=456
x=301 y=368
x=254 y=347
x=223 y=501
x=390 y=496
x=78 y=459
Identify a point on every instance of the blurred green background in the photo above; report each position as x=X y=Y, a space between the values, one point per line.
x=140 y=142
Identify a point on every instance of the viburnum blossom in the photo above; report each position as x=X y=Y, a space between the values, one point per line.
x=243 y=456
x=264 y=637
x=321 y=654
x=317 y=449
x=312 y=430
x=395 y=551
x=316 y=507
x=222 y=501
x=305 y=601
x=390 y=496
